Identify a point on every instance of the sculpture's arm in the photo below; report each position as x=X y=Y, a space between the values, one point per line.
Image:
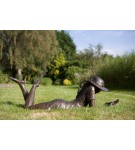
x=90 y=96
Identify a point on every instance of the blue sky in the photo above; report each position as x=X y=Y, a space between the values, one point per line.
x=115 y=42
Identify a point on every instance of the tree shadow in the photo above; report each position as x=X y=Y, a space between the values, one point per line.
x=11 y=103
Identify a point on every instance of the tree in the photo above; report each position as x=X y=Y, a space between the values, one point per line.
x=27 y=52
x=88 y=56
x=67 y=44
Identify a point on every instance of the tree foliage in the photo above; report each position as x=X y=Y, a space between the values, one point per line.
x=67 y=44
x=90 y=60
x=28 y=54
x=88 y=56
x=57 y=68
x=27 y=51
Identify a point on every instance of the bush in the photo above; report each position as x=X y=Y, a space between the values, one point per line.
x=74 y=73
x=67 y=82
x=58 y=82
x=119 y=71
x=3 y=77
x=46 y=81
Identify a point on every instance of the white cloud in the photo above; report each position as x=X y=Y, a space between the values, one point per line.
x=115 y=42
x=115 y=33
x=116 y=51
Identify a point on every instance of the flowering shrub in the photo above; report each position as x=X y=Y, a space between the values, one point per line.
x=67 y=82
x=56 y=72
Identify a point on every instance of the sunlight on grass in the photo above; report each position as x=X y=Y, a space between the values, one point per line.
x=11 y=104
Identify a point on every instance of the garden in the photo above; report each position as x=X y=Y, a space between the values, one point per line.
x=51 y=56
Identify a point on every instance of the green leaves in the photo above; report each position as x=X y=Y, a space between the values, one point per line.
x=67 y=44
x=30 y=51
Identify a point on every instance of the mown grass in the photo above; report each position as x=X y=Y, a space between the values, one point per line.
x=11 y=104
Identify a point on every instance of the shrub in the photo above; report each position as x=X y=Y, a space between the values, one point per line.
x=119 y=71
x=46 y=81
x=3 y=77
x=67 y=82
x=58 y=82
x=74 y=73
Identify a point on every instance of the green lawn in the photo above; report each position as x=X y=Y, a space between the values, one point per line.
x=11 y=102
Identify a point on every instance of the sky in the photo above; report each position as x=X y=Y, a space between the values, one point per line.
x=114 y=42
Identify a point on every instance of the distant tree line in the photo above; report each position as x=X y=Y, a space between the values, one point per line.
x=29 y=54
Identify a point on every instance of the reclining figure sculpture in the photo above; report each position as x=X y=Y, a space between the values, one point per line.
x=85 y=96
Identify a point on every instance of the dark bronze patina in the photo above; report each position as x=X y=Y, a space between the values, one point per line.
x=112 y=103
x=85 y=96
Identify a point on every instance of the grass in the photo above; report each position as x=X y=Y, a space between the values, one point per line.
x=11 y=102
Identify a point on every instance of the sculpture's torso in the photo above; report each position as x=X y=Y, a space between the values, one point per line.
x=82 y=99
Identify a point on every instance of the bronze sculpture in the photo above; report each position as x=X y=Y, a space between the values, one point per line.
x=112 y=103
x=85 y=96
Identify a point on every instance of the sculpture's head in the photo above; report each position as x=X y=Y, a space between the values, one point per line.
x=98 y=83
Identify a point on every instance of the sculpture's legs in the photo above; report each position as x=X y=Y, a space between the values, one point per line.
x=22 y=86
x=30 y=98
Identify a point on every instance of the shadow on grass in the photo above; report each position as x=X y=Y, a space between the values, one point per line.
x=121 y=88
x=71 y=87
x=11 y=103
